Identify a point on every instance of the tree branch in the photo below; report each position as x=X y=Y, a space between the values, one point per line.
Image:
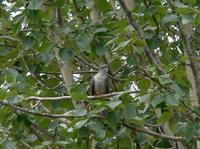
x=8 y=38
x=152 y=133
x=188 y=51
x=150 y=55
x=146 y=131
x=91 y=66
x=89 y=97
x=78 y=11
x=112 y=3
x=33 y=112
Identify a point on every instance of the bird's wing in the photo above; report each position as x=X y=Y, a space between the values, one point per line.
x=93 y=87
x=107 y=86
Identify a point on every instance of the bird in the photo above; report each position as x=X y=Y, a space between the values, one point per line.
x=99 y=82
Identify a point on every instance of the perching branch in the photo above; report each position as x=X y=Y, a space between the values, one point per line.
x=58 y=99
x=89 y=97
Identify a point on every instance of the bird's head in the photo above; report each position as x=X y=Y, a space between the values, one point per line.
x=103 y=68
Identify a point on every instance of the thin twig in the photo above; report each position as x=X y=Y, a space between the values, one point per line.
x=154 y=80
x=84 y=61
x=36 y=104
x=118 y=70
x=57 y=73
x=91 y=66
x=188 y=51
x=78 y=11
x=9 y=38
x=33 y=112
x=148 y=52
x=25 y=144
x=152 y=133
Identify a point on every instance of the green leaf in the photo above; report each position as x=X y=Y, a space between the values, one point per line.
x=47 y=143
x=102 y=5
x=79 y=96
x=139 y=43
x=61 y=142
x=181 y=77
x=38 y=147
x=35 y=4
x=100 y=30
x=83 y=132
x=25 y=119
x=190 y=130
x=12 y=72
x=4 y=50
x=114 y=104
x=151 y=11
x=144 y=84
x=189 y=1
x=157 y=100
x=138 y=121
x=53 y=125
x=76 y=113
x=164 y=117
x=170 y=18
x=2 y=94
x=66 y=54
x=171 y=99
x=153 y=43
x=27 y=42
x=97 y=109
x=10 y=79
x=99 y=49
x=15 y=99
x=83 y=43
x=185 y=20
x=125 y=43
x=129 y=112
x=97 y=126
x=196 y=110
x=9 y=145
x=112 y=119
x=176 y=88
x=59 y=3
x=47 y=57
x=80 y=124
x=164 y=79
x=79 y=92
x=179 y=5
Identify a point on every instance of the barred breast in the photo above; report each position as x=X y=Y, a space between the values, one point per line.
x=100 y=84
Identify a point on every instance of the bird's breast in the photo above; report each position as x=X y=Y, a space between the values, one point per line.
x=100 y=84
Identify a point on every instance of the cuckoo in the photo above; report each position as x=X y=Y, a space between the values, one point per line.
x=99 y=82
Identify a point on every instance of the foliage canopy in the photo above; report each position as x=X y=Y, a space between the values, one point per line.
x=152 y=50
